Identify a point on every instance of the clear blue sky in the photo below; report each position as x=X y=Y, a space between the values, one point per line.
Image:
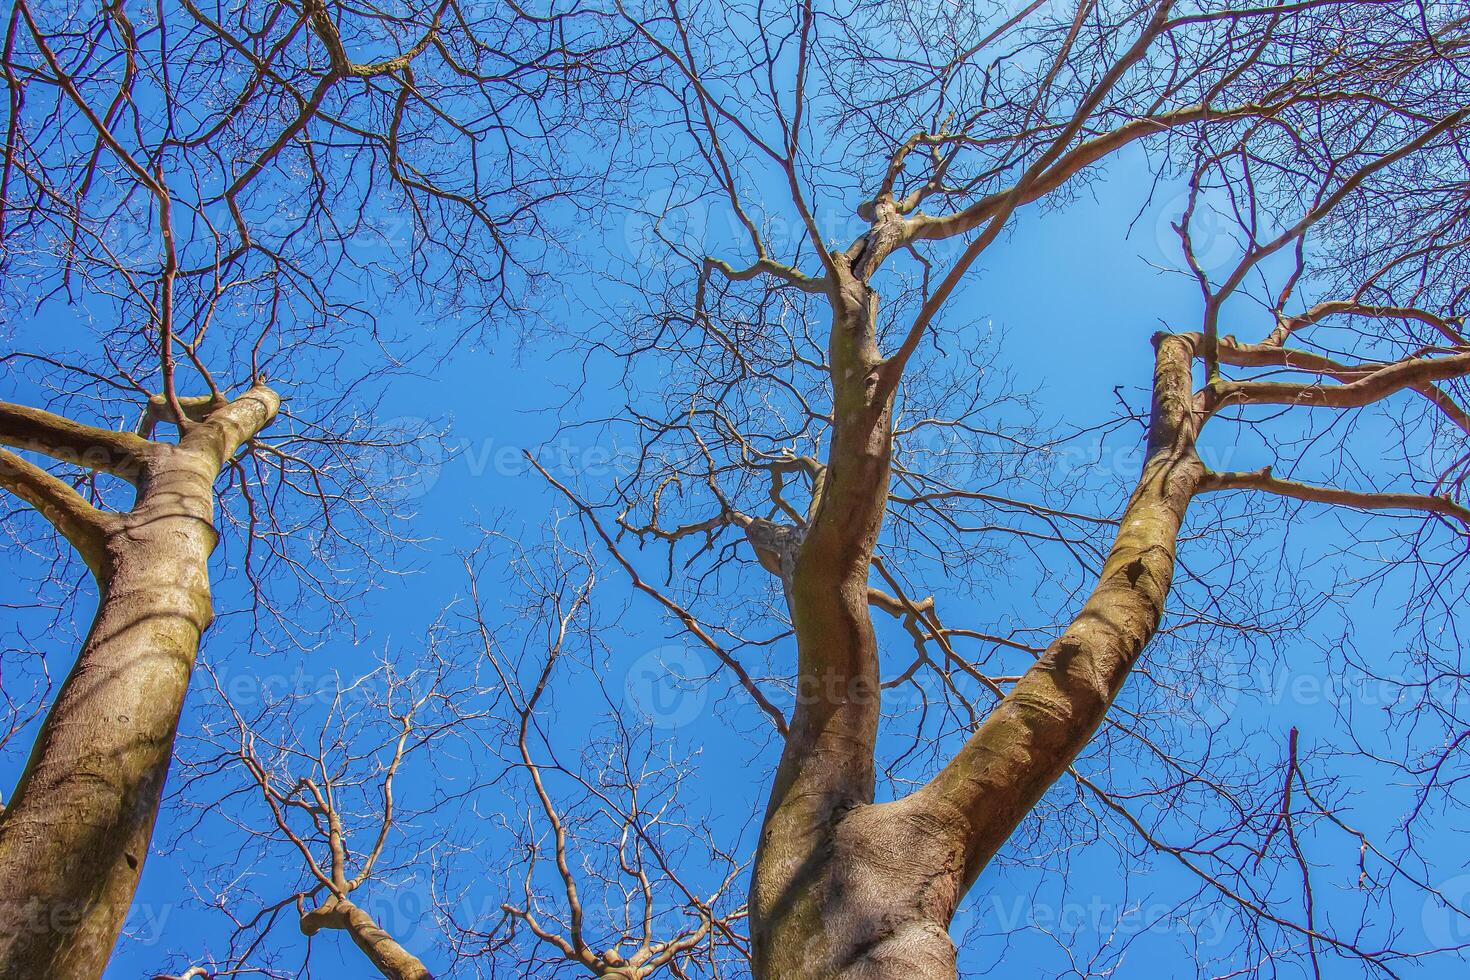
x=1077 y=302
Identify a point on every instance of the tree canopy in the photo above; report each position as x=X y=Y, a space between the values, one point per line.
x=851 y=489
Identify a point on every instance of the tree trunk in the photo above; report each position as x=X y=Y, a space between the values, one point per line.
x=391 y=959
x=812 y=898
x=75 y=835
x=846 y=889
x=873 y=902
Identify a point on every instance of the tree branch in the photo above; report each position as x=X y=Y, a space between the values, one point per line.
x=1263 y=480
x=83 y=525
x=122 y=454
x=1379 y=384
x=225 y=429
x=1269 y=354
x=1030 y=738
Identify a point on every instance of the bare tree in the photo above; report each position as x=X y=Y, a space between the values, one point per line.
x=607 y=863
x=221 y=188
x=800 y=426
x=373 y=786
x=804 y=378
x=325 y=767
x=76 y=830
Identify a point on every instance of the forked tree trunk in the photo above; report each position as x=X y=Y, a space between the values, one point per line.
x=847 y=889
x=391 y=959
x=75 y=835
x=874 y=902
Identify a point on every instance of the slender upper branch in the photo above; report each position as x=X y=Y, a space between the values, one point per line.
x=1263 y=479
x=683 y=615
x=770 y=267
x=925 y=227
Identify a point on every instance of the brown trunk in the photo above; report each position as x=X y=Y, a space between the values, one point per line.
x=805 y=875
x=873 y=902
x=391 y=959
x=845 y=889
x=75 y=835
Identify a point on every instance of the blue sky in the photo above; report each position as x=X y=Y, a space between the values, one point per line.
x=1076 y=302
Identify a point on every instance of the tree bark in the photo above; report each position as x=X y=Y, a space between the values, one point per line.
x=808 y=869
x=75 y=835
x=847 y=889
x=391 y=959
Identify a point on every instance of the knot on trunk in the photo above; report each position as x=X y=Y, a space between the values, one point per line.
x=331 y=914
x=776 y=546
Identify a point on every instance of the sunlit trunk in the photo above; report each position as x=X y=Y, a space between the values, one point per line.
x=845 y=889
x=391 y=959
x=75 y=835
